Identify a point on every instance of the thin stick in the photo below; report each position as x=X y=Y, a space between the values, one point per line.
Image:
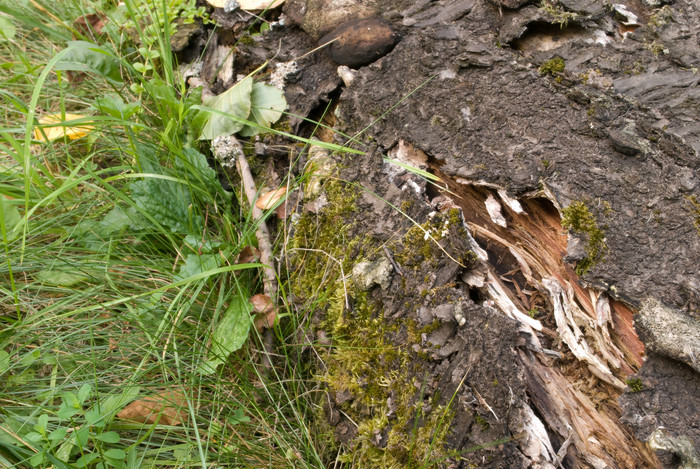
x=263 y=236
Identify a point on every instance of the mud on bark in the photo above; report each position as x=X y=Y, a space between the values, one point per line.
x=486 y=341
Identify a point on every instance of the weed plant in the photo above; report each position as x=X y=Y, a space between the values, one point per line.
x=119 y=266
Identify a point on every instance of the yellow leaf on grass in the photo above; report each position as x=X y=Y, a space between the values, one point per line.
x=168 y=408
x=53 y=127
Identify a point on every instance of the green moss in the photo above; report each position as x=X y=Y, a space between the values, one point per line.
x=695 y=211
x=365 y=359
x=406 y=205
x=635 y=384
x=557 y=14
x=482 y=421
x=577 y=218
x=552 y=67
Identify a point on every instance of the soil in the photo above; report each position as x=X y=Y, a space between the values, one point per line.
x=566 y=138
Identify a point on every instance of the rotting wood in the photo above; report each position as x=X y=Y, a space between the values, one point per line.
x=577 y=404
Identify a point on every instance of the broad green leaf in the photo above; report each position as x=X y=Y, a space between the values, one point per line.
x=29 y=358
x=7 y=29
x=84 y=393
x=95 y=419
x=238 y=416
x=198 y=245
x=112 y=404
x=230 y=334
x=60 y=278
x=236 y=102
x=115 y=453
x=10 y=216
x=109 y=437
x=41 y=423
x=196 y=264
x=267 y=105
x=4 y=361
x=82 y=436
x=65 y=412
x=168 y=202
x=193 y=166
x=85 y=460
x=114 y=106
x=58 y=434
x=84 y=56
x=33 y=436
x=38 y=459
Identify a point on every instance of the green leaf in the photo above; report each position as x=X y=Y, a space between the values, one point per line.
x=81 y=436
x=267 y=105
x=115 y=453
x=4 y=361
x=230 y=334
x=238 y=416
x=114 y=403
x=198 y=245
x=69 y=407
x=84 y=56
x=37 y=460
x=195 y=163
x=235 y=102
x=60 y=278
x=84 y=393
x=7 y=29
x=168 y=202
x=42 y=421
x=34 y=436
x=196 y=264
x=58 y=434
x=94 y=418
x=85 y=460
x=109 y=437
x=114 y=106
x=10 y=216
x=66 y=412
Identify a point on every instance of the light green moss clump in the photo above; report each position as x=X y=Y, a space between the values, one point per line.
x=552 y=67
x=366 y=358
x=577 y=218
x=695 y=211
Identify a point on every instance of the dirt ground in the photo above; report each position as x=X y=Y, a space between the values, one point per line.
x=539 y=305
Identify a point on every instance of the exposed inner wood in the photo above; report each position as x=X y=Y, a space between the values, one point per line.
x=582 y=343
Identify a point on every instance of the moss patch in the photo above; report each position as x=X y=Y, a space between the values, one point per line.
x=552 y=67
x=577 y=218
x=371 y=370
x=695 y=211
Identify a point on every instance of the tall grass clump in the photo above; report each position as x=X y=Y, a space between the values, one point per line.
x=121 y=286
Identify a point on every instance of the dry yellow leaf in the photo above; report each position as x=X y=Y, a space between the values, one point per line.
x=248 y=4
x=59 y=129
x=168 y=408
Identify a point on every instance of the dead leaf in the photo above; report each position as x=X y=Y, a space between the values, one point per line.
x=73 y=132
x=168 y=408
x=266 y=320
x=90 y=23
x=248 y=254
x=262 y=303
x=248 y=4
x=283 y=210
x=268 y=200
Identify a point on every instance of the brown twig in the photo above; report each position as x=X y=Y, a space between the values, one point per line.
x=264 y=245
